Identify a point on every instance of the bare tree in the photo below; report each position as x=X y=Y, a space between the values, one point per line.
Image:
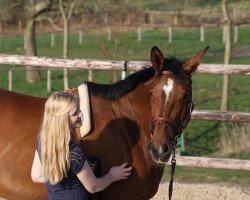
x=227 y=54
x=64 y=7
x=32 y=10
x=66 y=22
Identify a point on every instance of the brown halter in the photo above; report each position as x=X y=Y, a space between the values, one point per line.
x=175 y=132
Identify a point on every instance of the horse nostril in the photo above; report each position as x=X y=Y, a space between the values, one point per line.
x=150 y=146
x=165 y=148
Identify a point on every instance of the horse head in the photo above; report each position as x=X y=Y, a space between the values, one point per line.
x=171 y=102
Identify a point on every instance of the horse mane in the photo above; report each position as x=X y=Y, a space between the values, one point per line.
x=122 y=87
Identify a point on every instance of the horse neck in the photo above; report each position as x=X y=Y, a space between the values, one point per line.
x=129 y=116
x=135 y=105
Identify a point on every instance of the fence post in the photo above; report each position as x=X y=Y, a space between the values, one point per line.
x=235 y=34
x=10 y=80
x=24 y=44
x=20 y=26
x=80 y=36
x=170 y=34
x=139 y=33
x=90 y=75
x=109 y=33
x=65 y=78
x=52 y=40
x=124 y=71
x=48 y=80
x=182 y=143
x=202 y=33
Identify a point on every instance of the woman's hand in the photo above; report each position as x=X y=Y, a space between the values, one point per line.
x=120 y=172
x=93 y=184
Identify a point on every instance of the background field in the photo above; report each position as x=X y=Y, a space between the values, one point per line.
x=201 y=138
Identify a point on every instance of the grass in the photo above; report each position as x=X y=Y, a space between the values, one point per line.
x=194 y=5
x=207 y=175
x=232 y=140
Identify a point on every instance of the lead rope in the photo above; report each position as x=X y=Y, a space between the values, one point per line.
x=173 y=163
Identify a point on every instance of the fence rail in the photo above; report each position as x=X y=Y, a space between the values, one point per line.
x=215 y=115
x=113 y=65
x=137 y=65
x=220 y=163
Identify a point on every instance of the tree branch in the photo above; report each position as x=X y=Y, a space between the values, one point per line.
x=52 y=22
x=40 y=7
x=62 y=10
x=72 y=5
x=18 y=4
x=225 y=10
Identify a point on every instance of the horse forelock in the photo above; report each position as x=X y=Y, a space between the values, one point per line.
x=122 y=87
x=173 y=65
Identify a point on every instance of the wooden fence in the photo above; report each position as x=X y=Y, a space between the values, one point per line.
x=140 y=30
x=137 y=65
x=90 y=65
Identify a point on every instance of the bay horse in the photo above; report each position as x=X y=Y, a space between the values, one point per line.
x=137 y=120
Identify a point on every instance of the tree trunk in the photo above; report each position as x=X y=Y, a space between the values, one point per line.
x=65 y=38
x=65 y=52
x=227 y=56
x=66 y=24
x=32 y=9
x=32 y=73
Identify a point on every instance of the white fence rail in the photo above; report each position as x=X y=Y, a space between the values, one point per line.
x=102 y=65
x=219 y=163
x=112 y=65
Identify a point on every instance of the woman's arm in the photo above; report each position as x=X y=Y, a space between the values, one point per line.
x=93 y=184
x=36 y=170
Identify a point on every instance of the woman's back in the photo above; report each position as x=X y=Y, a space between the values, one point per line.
x=70 y=187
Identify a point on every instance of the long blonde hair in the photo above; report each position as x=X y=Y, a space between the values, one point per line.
x=55 y=136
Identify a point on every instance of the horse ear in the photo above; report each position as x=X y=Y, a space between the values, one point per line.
x=192 y=64
x=157 y=58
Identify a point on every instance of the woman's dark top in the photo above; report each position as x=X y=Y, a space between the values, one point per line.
x=69 y=188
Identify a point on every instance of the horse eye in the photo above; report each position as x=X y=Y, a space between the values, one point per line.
x=186 y=95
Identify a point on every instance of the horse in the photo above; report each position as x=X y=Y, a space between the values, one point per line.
x=137 y=120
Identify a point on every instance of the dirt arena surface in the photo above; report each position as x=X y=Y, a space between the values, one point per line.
x=183 y=191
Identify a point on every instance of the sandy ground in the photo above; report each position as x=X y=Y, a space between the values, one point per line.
x=201 y=192
x=183 y=191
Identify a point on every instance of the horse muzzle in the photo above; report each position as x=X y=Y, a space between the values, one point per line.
x=161 y=154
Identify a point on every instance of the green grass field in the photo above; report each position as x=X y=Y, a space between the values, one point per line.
x=201 y=137
x=237 y=178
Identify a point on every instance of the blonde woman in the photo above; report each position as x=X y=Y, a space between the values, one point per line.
x=59 y=162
